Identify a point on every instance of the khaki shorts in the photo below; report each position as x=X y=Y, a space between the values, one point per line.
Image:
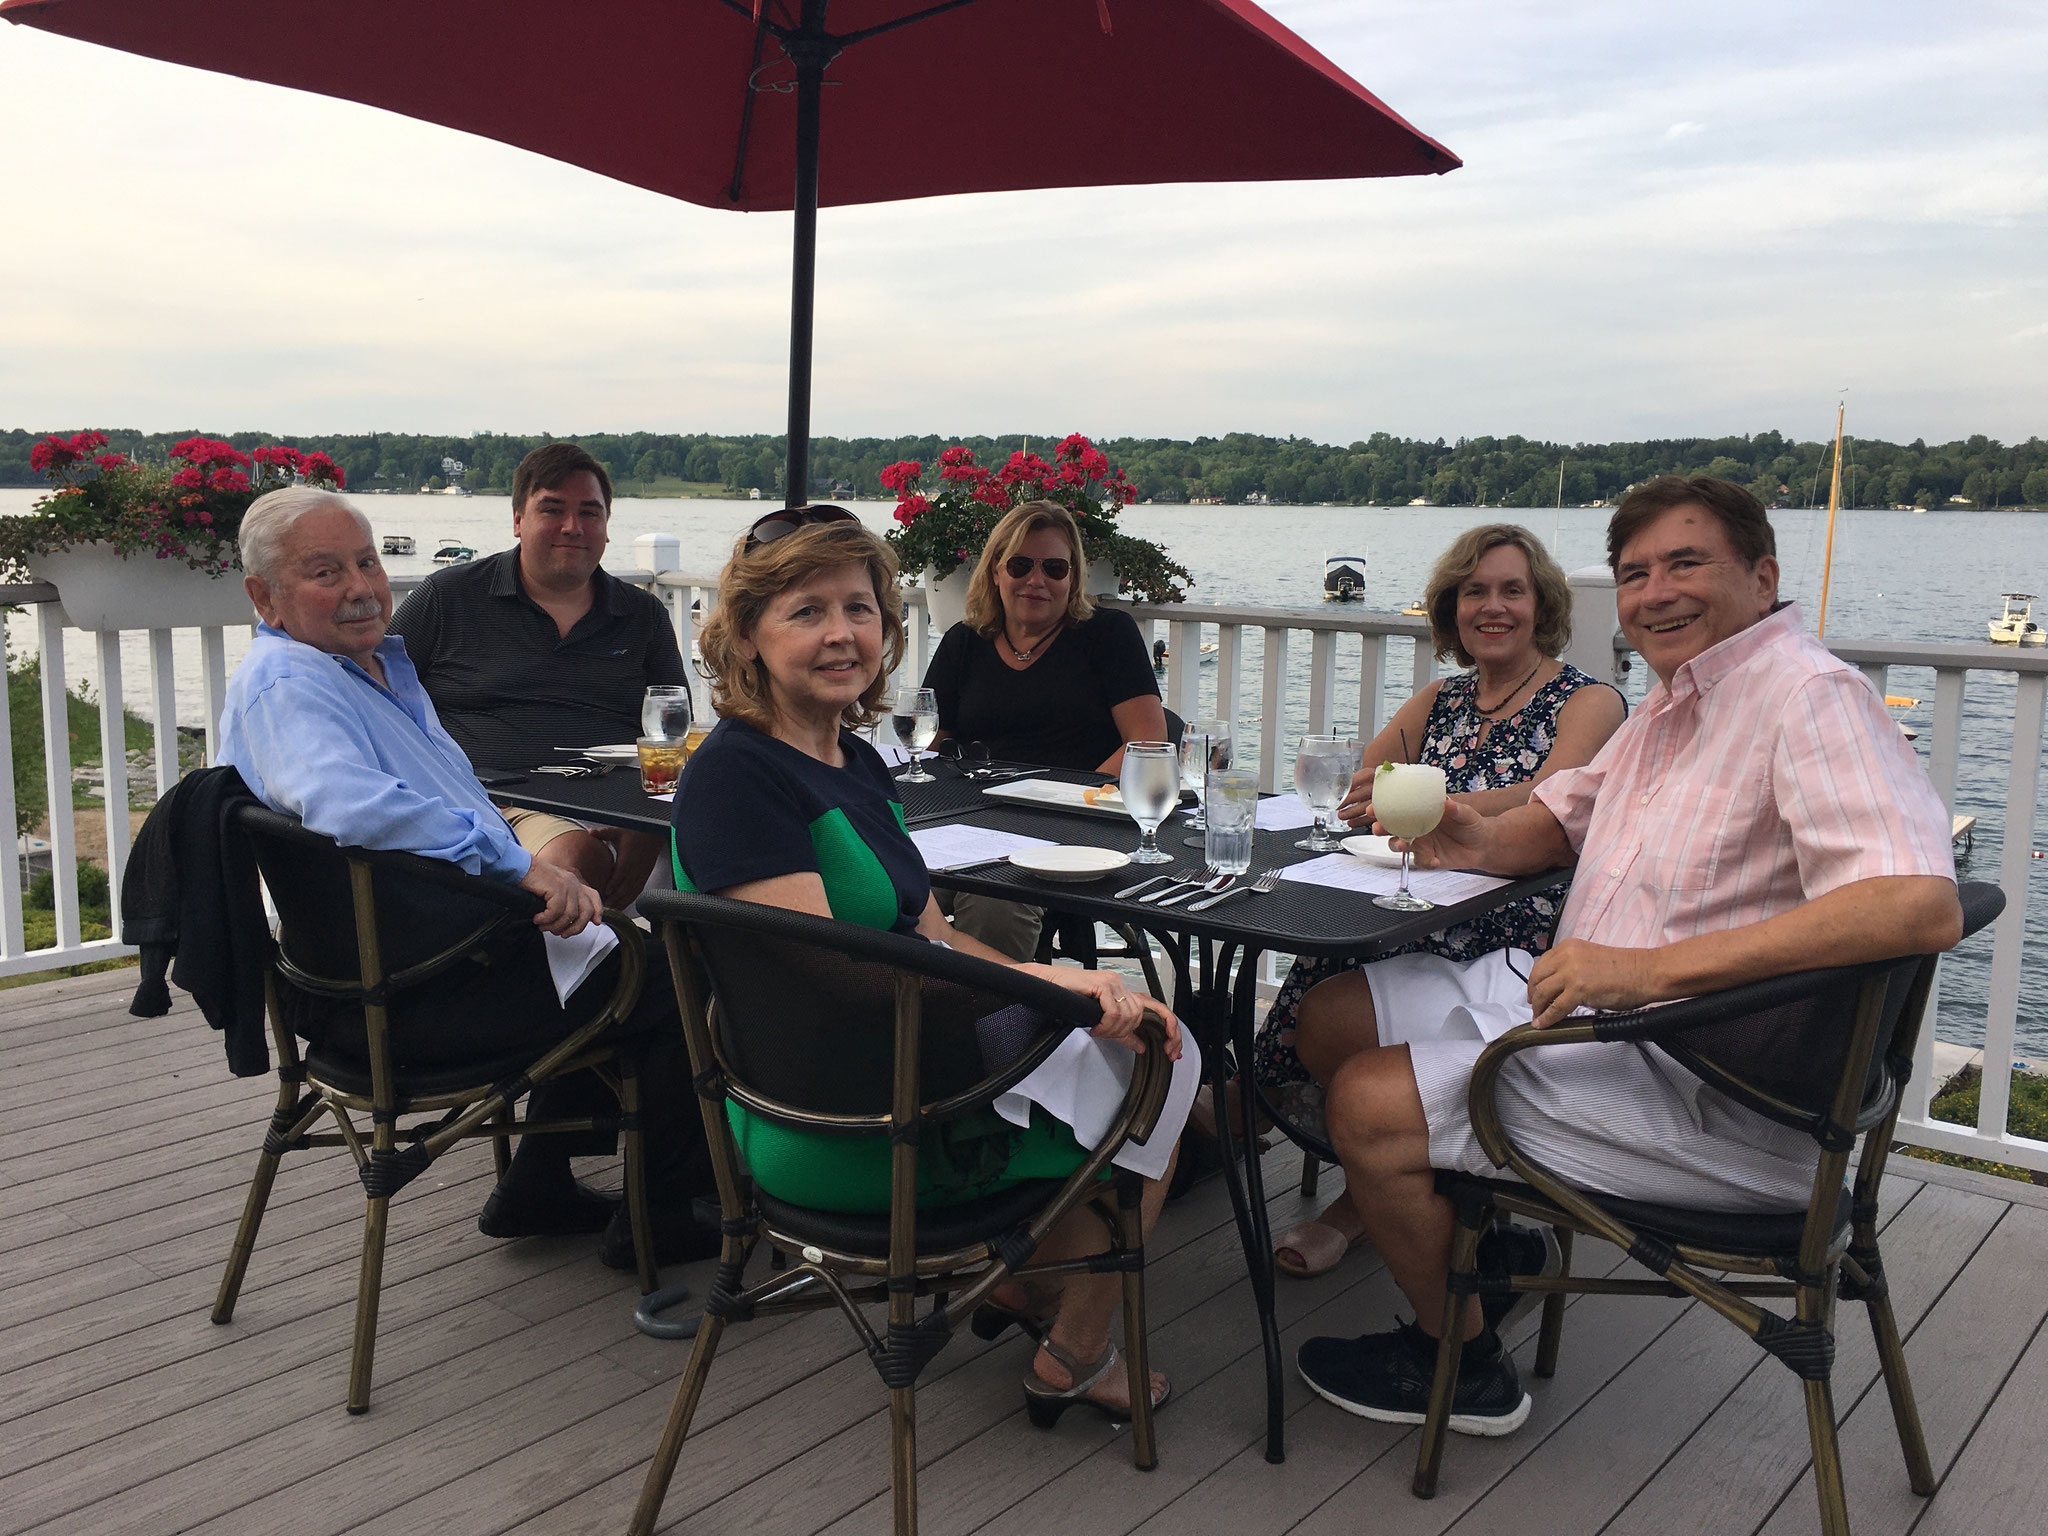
x=536 y=829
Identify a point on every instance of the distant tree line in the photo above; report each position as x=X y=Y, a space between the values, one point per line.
x=1381 y=470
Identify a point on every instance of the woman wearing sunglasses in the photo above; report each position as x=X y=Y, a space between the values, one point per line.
x=784 y=805
x=1038 y=674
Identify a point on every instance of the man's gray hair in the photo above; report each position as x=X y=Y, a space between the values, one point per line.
x=270 y=518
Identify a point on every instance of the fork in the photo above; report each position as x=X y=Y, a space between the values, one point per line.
x=1211 y=881
x=1193 y=877
x=1261 y=886
x=1171 y=876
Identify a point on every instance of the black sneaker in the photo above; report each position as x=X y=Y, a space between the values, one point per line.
x=1512 y=1250
x=1386 y=1376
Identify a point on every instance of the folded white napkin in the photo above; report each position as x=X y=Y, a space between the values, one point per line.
x=1083 y=1083
x=571 y=960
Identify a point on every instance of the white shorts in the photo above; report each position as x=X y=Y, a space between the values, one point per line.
x=1617 y=1118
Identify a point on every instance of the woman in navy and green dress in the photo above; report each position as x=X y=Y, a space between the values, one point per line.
x=1500 y=605
x=784 y=804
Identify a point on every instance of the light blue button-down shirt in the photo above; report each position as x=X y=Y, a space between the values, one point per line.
x=314 y=735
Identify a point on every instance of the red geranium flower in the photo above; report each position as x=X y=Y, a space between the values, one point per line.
x=189 y=476
x=901 y=475
x=111 y=460
x=318 y=467
x=910 y=507
x=228 y=480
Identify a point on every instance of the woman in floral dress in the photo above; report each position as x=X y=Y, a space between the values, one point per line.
x=1500 y=605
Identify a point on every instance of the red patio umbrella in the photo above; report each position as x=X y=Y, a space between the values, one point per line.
x=720 y=102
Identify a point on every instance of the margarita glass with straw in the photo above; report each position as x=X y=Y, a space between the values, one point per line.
x=1408 y=800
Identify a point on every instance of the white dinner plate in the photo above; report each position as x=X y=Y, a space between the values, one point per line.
x=1373 y=850
x=1076 y=864
x=619 y=752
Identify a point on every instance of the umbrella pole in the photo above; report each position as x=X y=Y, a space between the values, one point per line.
x=810 y=54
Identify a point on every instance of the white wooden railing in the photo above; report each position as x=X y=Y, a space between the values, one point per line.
x=1358 y=667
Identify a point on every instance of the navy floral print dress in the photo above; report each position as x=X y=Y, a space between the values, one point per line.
x=1512 y=753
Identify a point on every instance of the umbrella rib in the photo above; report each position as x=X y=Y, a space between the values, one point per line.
x=739 y=152
x=926 y=14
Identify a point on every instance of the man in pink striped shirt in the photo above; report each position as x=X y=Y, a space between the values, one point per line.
x=1759 y=814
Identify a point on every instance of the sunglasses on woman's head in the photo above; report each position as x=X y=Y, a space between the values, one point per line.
x=778 y=525
x=1019 y=566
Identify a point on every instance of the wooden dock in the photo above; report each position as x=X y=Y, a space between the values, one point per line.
x=514 y=1395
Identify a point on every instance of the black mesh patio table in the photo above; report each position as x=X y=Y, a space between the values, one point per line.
x=1215 y=954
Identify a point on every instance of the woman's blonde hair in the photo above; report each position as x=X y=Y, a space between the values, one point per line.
x=985 y=603
x=753 y=578
x=1546 y=576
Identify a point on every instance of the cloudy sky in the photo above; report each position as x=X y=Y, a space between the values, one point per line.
x=1674 y=218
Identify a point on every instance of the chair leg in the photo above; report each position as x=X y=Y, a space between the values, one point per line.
x=1899 y=1387
x=1311 y=1175
x=903 y=1458
x=245 y=1236
x=369 y=1286
x=501 y=1144
x=1827 y=1458
x=636 y=1180
x=680 y=1412
x=1552 y=1332
x=1450 y=1350
x=1137 y=1349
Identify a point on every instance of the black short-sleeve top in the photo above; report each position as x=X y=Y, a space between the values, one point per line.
x=1057 y=710
x=750 y=807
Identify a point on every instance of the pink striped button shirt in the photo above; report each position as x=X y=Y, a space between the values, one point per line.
x=1767 y=774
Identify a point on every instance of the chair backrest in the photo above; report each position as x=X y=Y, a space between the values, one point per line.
x=1783 y=1047
x=806 y=1011
x=428 y=911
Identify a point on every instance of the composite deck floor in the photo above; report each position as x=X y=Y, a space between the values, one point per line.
x=514 y=1395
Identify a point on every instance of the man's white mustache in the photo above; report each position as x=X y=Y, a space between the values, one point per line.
x=368 y=608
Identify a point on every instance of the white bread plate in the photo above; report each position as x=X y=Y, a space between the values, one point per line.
x=1064 y=863
x=1373 y=850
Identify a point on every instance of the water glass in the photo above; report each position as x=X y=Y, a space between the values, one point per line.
x=1233 y=808
x=1150 y=784
x=665 y=712
x=1204 y=748
x=914 y=717
x=1323 y=768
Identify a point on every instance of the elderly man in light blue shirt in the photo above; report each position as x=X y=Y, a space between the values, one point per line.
x=326 y=719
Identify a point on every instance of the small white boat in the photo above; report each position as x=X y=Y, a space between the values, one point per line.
x=1343 y=578
x=454 y=554
x=2016 y=626
x=398 y=544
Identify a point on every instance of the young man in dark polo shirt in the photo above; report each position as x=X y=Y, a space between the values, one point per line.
x=538 y=647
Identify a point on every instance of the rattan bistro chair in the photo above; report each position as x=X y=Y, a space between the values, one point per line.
x=829 y=1027
x=1825 y=1052
x=341 y=912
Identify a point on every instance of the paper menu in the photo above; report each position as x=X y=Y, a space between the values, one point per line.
x=955 y=846
x=1340 y=871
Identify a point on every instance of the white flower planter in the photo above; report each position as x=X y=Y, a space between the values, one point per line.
x=946 y=597
x=103 y=589
x=1103 y=580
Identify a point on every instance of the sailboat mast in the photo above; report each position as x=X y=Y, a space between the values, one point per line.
x=1827 y=563
x=1557 y=532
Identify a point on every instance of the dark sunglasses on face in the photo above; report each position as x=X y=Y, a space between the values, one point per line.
x=779 y=525
x=1019 y=566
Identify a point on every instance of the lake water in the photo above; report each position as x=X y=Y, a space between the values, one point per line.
x=1897 y=577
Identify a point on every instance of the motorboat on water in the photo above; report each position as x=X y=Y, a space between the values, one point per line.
x=398 y=544
x=1415 y=610
x=2016 y=626
x=454 y=554
x=1343 y=578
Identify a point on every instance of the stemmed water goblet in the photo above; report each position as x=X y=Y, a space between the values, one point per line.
x=914 y=717
x=665 y=712
x=1408 y=800
x=1150 y=785
x=1323 y=768
x=1204 y=749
